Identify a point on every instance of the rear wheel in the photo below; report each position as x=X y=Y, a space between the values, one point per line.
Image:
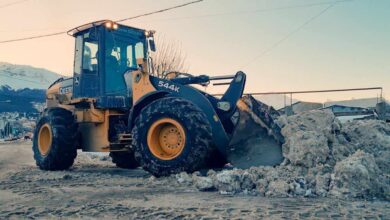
x=54 y=143
x=171 y=135
x=124 y=159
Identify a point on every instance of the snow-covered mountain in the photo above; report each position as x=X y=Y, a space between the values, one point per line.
x=22 y=76
x=23 y=87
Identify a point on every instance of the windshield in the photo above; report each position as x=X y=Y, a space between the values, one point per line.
x=122 y=52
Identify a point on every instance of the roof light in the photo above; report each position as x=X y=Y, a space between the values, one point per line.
x=108 y=24
x=115 y=26
x=149 y=33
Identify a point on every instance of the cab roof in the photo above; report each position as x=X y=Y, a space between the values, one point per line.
x=73 y=32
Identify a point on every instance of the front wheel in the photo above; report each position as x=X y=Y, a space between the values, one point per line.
x=54 y=143
x=172 y=135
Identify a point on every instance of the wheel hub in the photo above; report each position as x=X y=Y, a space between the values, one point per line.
x=45 y=138
x=166 y=139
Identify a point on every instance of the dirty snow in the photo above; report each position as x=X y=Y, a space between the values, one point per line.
x=323 y=158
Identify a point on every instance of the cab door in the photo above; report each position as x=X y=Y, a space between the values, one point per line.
x=86 y=67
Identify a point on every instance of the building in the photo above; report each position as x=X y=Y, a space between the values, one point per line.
x=362 y=103
x=348 y=113
x=10 y=127
x=5 y=129
x=341 y=110
x=354 y=109
x=383 y=111
x=2 y=127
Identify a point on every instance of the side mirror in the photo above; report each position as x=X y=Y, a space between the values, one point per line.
x=152 y=45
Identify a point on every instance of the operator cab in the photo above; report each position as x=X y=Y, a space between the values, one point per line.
x=105 y=53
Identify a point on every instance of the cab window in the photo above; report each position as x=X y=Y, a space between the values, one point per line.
x=130 y=57
x=139 y=50
x=134 y=52
x=90 y=54
x=78 y=55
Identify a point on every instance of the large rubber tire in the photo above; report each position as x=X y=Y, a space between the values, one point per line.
x=198 y=141
x=62 y=151
x=124 y=159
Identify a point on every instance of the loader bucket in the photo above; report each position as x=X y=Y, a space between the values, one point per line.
x=257 y=140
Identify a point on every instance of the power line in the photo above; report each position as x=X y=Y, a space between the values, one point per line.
x=120 y=20
x=179 y=6
x=265 y=52
x=12 y=3
x=209 y=15
x=30 y=30
x=160 y=11
x=212 y=15
x=32 y=37
x=253 y=11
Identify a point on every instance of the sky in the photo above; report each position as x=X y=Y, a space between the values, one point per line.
x=282 y=45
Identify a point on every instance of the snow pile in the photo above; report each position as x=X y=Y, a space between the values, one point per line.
x=373 y=137
x=322 y=158
x=307 y=137
x=356 y=176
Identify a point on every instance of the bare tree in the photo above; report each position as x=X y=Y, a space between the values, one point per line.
x=168 y=57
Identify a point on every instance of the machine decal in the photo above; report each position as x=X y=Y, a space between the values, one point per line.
x=168 y=86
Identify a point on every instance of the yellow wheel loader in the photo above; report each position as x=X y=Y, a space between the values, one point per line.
x=115 y=103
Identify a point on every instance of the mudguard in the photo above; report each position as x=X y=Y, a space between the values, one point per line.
x=141 y=103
